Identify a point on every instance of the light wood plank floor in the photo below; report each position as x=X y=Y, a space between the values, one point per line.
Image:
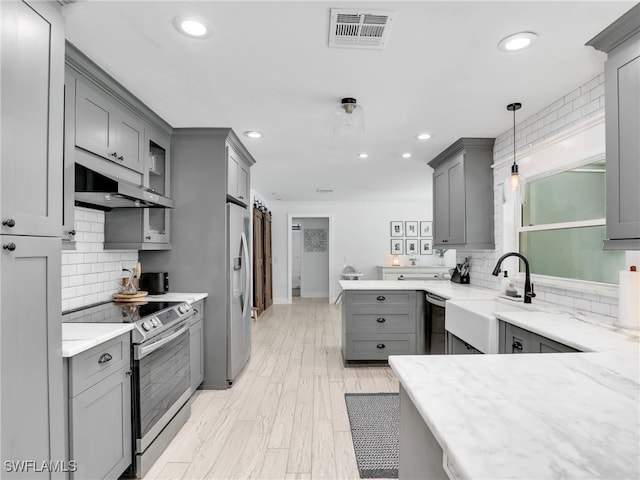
x=285 y=417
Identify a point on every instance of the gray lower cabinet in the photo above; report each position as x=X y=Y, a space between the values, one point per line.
x=463 y=195
x=621 y=42
x=457 y=346
x=518 y=340
x=100 y=438
x=376 y=324
x=196 y=345
x=420 y=454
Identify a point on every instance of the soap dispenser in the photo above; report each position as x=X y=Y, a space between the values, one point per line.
x=508 y=287
x=504 y=284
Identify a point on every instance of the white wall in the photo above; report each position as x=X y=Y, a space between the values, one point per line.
x=314 y=266
x=360 y=235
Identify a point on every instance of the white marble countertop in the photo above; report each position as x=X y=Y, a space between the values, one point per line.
x=443 y=288
x=535 y=416
x=177 y=297
x=79 y=337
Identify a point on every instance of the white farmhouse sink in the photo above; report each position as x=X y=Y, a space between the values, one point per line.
x=474 y=321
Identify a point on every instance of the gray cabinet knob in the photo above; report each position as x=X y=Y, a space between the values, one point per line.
x=9 y=246
x=9 y=222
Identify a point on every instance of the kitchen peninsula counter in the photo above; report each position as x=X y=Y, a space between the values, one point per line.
x=543 y=416
x=443 y=288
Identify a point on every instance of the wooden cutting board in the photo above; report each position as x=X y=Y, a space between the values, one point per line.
x=121 y=297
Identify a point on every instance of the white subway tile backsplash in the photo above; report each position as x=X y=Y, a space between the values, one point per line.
x=576 y=106
x=90 y=274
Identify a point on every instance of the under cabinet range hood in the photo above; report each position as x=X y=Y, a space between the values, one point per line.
x=94 y=189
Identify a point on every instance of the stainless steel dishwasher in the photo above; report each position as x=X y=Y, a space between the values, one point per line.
x=434 y=343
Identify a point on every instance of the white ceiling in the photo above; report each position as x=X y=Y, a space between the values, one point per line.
x=268 y=67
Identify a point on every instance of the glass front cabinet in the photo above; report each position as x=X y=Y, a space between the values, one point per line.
x=156 y=178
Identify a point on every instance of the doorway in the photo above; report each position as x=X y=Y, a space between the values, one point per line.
x=309 y=256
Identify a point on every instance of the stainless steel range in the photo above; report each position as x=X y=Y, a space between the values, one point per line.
x=161 y=383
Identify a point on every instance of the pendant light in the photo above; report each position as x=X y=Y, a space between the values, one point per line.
x=349 y=117
x=514 y=183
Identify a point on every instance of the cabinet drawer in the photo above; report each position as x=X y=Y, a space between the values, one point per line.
x=88 y=368
x=379 y=347
x=381 y=298
x=382 y=320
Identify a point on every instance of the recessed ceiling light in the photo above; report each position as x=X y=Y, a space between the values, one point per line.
x=363 y=155
x=423 y=136
x=406 y=155
x=517 y=41
x=253 y=134
x=192 y=27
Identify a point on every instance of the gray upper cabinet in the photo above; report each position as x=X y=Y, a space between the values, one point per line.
x=463 y=195
x=621 y=42
x=32 y=117
x=237 y=176
x=107 y=130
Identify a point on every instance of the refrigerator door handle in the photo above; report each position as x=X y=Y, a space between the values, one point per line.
x=247 y=273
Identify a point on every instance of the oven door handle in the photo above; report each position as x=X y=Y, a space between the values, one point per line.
x=143 y=351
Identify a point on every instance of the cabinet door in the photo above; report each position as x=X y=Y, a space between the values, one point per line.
x=32 y=97
x=258 y=261
x=68 y=174
x=32 y=408
x=441 y=206
x=156 y=225
x=156 y=173
x=95 y=122
x=129 y=137
x=243 y=182
x=232 y=172
x=196 y=352
x=457 y=217
x=100 y=428
x=517 y=340
x=623 y=142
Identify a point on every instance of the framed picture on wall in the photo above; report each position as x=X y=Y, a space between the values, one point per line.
x=412 y=246
x=397 y=246
x=412 y=229
x=426 y=246
x=397 y=229
x=426 y=229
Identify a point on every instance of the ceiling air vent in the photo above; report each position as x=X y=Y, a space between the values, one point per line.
x=355 y=29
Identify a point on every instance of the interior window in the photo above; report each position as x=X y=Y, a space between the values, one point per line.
x=563 y=226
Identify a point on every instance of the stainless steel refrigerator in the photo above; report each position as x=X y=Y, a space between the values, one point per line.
x=239 y=288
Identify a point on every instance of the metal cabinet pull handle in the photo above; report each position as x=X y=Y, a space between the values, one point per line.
x=381 y=320
x=9 y=222
x=72 y=233
x=148 y=237
x=9 y=246
x=380 y=345
x=469 y=347
x=516 y=345
x=128 y=373
x=120 y=158
x=114 y=154
x=104 y=358
x=196 y=311
x=380 y=297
